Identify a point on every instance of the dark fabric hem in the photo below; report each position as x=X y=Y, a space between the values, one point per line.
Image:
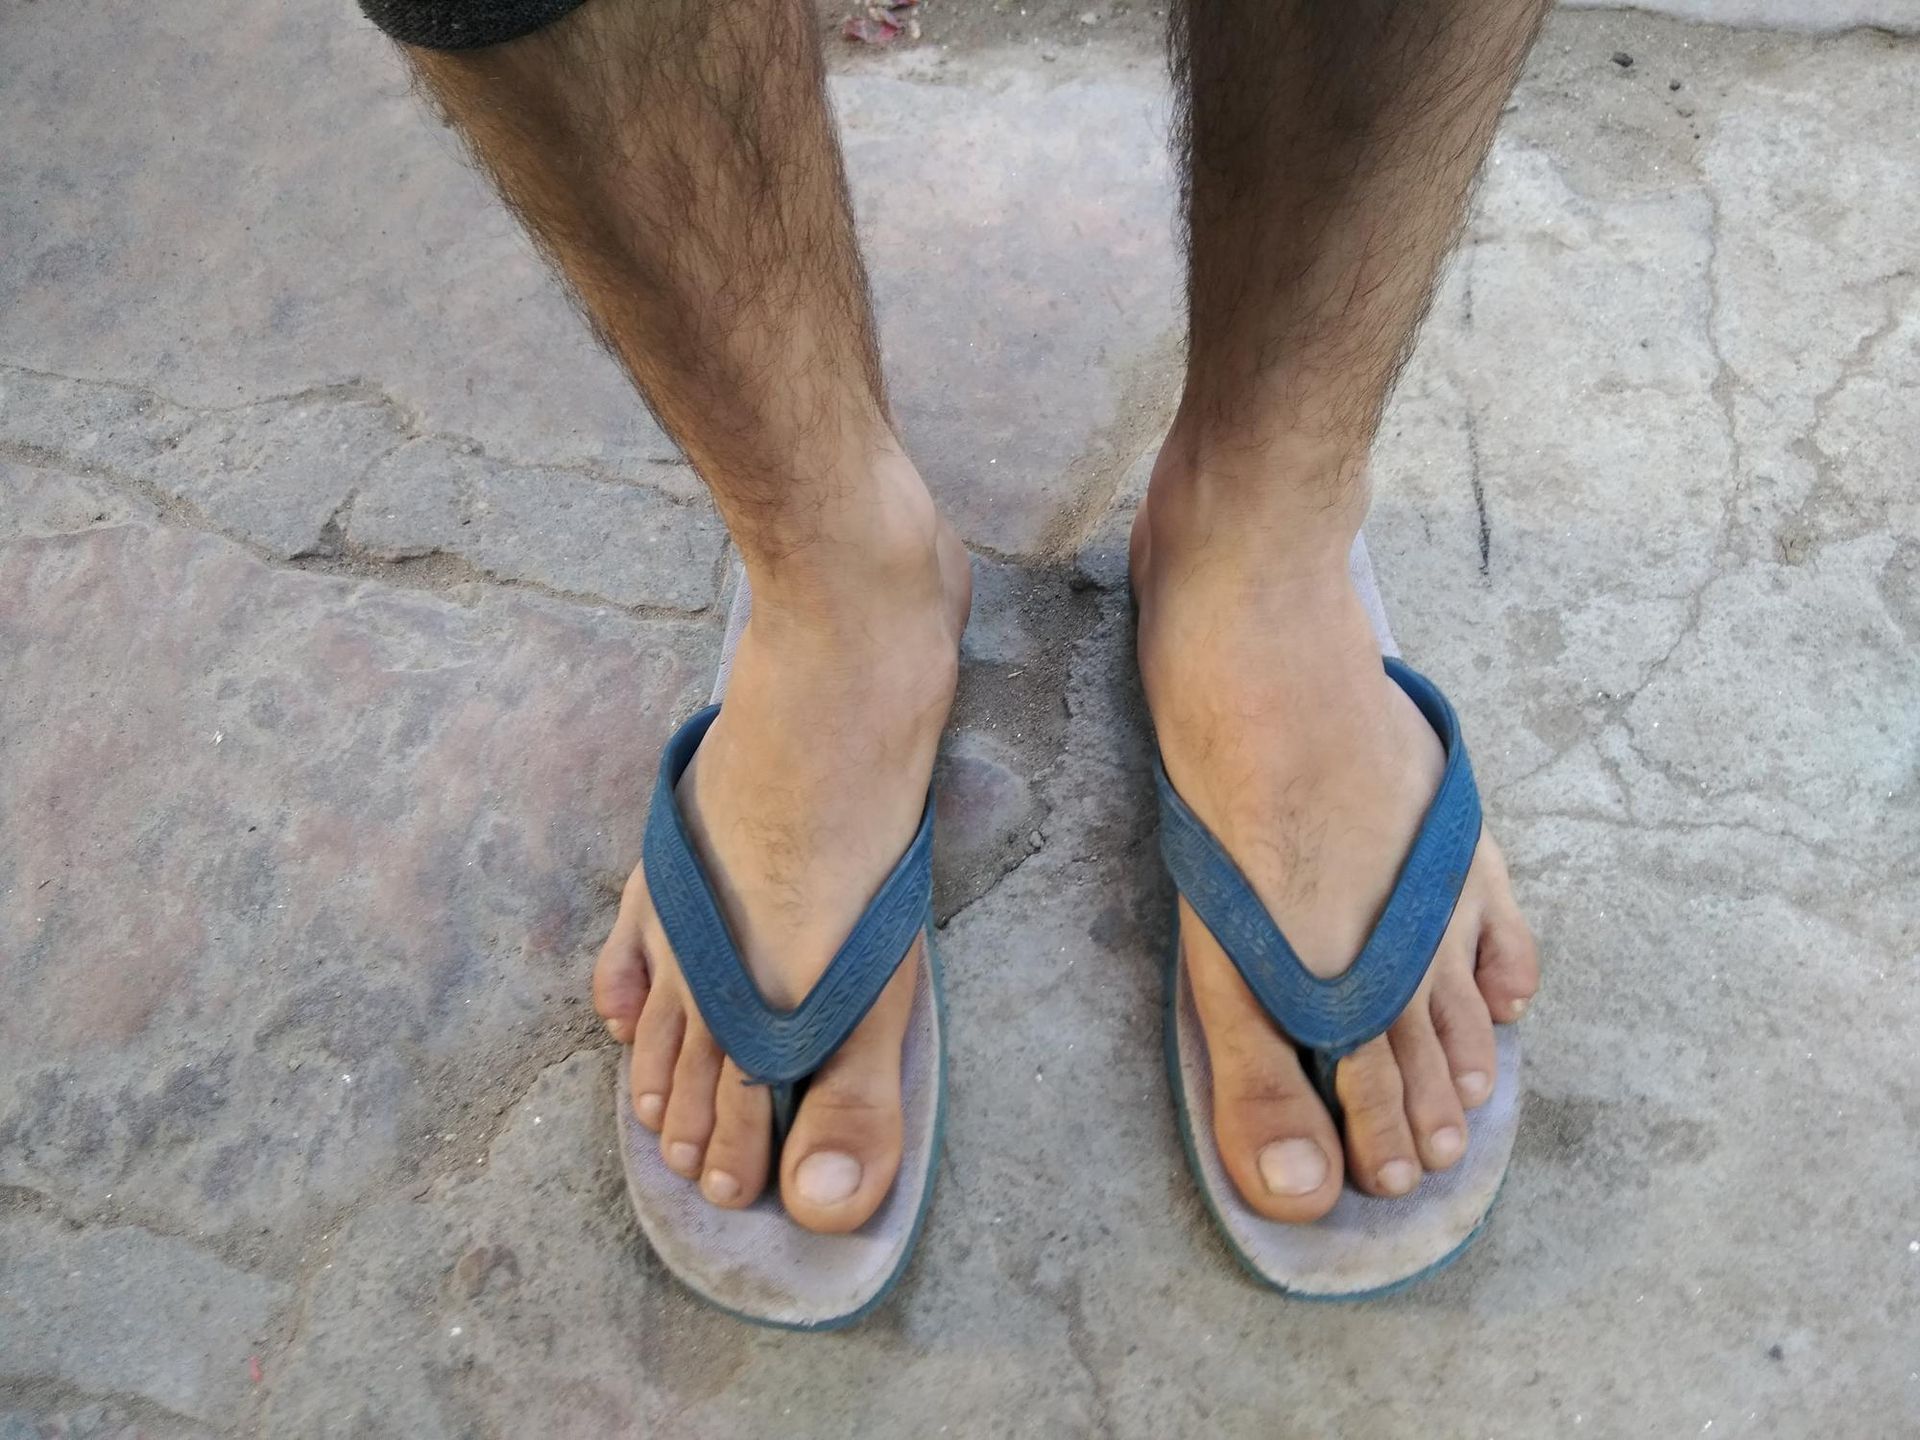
x=463 y=24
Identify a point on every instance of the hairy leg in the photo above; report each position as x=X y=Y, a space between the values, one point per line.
x=676 y=160
x=1330 y=149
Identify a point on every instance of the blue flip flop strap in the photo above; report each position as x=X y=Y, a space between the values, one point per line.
x=774 y=1047
x=1334 y=1017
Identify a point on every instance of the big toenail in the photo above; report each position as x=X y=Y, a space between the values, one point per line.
x=721 y=1186
x=827 y=1177
x=1473 y=1086
x=1447 y=1144
x=1293 y=1167
x=683 y=1155
x=651 y=1109
x=1397 y=1176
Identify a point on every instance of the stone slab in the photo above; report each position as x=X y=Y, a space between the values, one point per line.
x=276 y=878
x=121 y=1311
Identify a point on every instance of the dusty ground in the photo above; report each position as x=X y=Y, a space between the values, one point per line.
x=346 y=596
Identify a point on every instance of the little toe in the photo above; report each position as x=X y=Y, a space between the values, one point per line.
x=1381 y=1156
x=840 y=1158
x=1432 y=1104
x=1508 y=971
x=741 y=1148
x=689 y=1119
x=656 y=1049
x=620 y=974
x=1465 y=1032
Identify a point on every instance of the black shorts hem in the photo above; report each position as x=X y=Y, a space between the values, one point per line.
x=463 y=24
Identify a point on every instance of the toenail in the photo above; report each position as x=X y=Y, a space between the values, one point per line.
x=1447 y=1144
x=721 y=1186
x=1397 y=1176
x=683 y=1155
x=827 y=1177
x=1473 y=1086
x=1520 y=1008
x=651 y=1109
x=1293 y=1167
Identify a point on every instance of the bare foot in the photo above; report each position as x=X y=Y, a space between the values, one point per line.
x=1280 y=728
x=801 y=799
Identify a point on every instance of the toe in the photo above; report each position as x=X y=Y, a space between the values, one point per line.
x=1276 y=1139
x=741 y=1148
x=689 y=1119
x=1509 y=969
x=1381 y=1156
x=1465 y=1032
x=620 y=973
x=1509 y=965
x=840 y=1159
x=1432 y=1104
x=656 y=1048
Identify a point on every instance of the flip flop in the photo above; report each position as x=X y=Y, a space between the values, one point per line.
x=756 y=1263
x=1365 y=1246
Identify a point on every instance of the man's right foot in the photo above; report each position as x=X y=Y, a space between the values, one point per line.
x=801 y=800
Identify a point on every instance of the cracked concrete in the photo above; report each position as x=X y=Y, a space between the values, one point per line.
x=339 y=473
x=346 y=597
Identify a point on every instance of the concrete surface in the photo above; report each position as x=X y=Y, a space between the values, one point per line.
x=1900 y=17
x=345 y=598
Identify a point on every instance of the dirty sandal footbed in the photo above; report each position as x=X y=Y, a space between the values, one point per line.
x=1365 y=1246
x=756 y=1263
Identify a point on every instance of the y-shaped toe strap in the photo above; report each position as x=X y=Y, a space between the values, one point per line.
x=780 y=1048
x=1330 y=1018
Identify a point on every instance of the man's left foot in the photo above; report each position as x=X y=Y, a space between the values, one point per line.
x=1279 y=726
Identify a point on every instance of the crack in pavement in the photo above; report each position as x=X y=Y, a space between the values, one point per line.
x=431 y=569
x=409 y=427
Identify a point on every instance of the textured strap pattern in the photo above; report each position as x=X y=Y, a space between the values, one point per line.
x=775 y=1047
x=1335 y=1017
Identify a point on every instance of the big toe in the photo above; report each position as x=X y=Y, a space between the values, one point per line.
x=843 y=1152
x=1276 y=1139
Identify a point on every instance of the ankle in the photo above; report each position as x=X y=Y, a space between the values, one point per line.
x=1288 y=504
x=1189 y=539
x=878 y=551
x=1245 y=547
